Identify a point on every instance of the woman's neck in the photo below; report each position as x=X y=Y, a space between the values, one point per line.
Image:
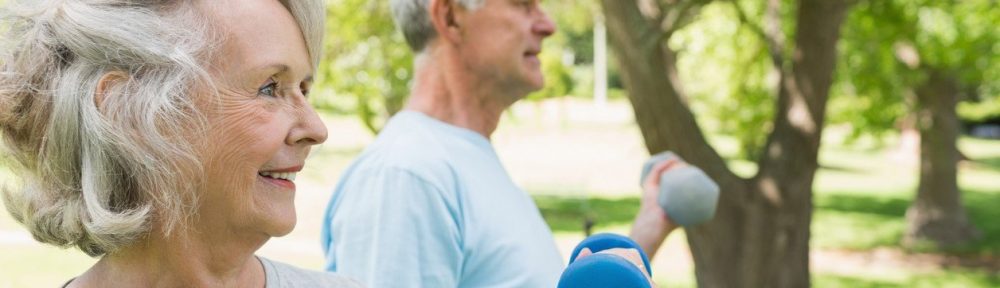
x=183 y=260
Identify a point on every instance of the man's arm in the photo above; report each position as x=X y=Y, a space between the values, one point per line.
x=395 y=229
x=652 y=225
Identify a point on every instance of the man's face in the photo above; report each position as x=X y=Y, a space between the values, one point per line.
x=501 y=42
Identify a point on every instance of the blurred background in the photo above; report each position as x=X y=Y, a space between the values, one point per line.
x=911 y=104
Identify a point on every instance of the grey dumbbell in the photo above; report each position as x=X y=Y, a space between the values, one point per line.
x=687 y=194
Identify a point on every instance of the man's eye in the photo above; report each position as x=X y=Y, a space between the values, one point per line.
x=528 y=4
x=268 y=89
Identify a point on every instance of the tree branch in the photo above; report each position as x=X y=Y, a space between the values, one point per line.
x=772 y=36
x=744 y=20
x=673 y=18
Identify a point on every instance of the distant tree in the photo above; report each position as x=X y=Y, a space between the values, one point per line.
x=366 y=60
x=911 y=62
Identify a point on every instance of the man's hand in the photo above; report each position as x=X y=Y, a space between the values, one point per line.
x=629 y=254
x=652 y=225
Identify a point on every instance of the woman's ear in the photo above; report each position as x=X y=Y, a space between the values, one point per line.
x=447 y=26
x=106 y=85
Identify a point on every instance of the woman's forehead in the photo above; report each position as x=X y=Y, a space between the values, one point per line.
x=258 y=33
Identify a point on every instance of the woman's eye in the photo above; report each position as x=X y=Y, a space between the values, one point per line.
x=305 y=90
x=269 y=89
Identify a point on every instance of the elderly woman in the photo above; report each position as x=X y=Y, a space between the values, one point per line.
x=161 y=136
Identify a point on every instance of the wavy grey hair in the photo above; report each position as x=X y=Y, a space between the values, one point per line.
x=96 y=176
x=413 y=19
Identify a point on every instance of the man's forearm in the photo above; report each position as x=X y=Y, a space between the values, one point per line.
x=650 y=228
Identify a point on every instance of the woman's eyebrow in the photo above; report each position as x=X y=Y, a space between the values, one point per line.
x=280 y=68
x=277 y=67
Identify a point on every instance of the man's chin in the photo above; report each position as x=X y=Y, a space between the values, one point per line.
x=527 y=84
x=536 y=83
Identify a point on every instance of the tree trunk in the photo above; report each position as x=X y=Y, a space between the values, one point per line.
x=937 y=215
x=908 y=150
x=760 y=234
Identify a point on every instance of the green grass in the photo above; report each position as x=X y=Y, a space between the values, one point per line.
x=566 y=214
x=940 y=279
x=864 y=209
x=841 y=220
x=857 y=222
x=860 y=204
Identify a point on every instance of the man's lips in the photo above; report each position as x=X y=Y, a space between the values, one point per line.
x=532 y=56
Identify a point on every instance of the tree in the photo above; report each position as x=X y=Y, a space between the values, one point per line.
x=760 y=235
x=914 y=60
x=367 y=61
x=937 y=213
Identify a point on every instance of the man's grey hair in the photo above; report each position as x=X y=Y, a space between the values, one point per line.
x=413 y=19
x=95 y=171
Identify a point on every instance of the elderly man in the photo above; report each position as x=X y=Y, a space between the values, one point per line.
x=429 y=204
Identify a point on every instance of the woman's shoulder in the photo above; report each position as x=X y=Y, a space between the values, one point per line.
x=281 y=275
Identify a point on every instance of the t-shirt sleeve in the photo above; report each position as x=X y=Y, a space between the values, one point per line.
x=393 y=228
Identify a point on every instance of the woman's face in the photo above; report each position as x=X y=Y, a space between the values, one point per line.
x=261 y=124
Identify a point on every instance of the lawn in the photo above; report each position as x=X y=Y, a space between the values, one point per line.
x=563 y=152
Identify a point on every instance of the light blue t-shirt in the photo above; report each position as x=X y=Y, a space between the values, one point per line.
x=428 y=204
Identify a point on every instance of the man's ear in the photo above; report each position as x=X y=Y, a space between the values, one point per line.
x=106 y=85
x=444 y=20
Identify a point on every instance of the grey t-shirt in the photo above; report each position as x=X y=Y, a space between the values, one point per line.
x=281 y=275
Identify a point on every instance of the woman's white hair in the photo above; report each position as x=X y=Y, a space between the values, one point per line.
x=96 y=170
x=413 y=19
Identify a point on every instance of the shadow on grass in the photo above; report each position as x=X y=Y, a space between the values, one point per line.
x=856 y=203
x=841 y=220
x=992 y=163
x=984 y=211
x=854 y=282
x=567 y=214
x=856 y=221
x=950 y=278
x=878 y=220
x=842 y=169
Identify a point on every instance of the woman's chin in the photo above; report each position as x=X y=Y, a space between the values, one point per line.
x=282 y=233
x=282 y=228
x=277 y=224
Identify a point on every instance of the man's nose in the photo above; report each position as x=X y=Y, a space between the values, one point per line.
x=544 y=26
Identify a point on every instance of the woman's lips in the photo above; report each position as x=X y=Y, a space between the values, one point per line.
x=278 y=182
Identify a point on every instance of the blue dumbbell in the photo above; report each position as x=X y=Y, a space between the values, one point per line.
x=687 y=195
x=605 y=270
